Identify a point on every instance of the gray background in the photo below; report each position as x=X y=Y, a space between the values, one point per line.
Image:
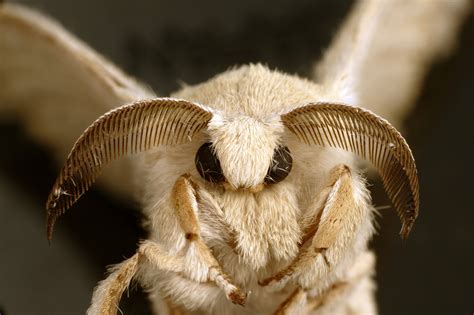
x=164 y=42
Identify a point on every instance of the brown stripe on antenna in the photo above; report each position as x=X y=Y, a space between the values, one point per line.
x=371 y=137
x=128 y=129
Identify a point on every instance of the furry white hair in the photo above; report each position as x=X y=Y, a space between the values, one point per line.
x=248 y=240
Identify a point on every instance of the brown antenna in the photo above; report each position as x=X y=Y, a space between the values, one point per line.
x=371 y=137
x=128 y=129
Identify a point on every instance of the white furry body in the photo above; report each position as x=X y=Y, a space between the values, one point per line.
x=266 y=226
x=252 y=235
x=263 y=249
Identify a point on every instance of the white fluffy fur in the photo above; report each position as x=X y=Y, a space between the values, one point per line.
x=267 y=225
x=377 y=61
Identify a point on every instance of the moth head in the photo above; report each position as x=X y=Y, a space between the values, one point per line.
x=243 y=153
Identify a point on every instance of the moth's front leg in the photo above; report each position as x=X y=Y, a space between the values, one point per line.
x=336 y=299
x=331 y=226
x=195 y=261
x=106 y=297
x=186 y=206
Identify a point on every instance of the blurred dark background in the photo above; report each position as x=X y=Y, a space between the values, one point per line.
x=165 y=42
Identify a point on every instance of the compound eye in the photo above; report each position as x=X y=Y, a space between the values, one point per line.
x=208 y=164
x=281 y=165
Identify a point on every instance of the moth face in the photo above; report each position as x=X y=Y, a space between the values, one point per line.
x=244 y=153
x=244 y=117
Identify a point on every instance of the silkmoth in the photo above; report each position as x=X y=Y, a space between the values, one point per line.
x=249 y=182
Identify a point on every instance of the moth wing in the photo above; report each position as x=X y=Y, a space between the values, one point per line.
x=384 y=49
x=56 y=85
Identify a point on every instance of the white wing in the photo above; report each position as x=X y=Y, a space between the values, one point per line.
x=56 y=85
x=383 y=51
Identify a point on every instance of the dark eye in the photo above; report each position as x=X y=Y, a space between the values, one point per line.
x=281 y=166
x=208 y=164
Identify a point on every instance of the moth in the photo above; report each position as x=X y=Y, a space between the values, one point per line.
x=250 y=182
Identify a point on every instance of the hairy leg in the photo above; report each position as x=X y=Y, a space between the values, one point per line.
x=294 y=304
x=184 y=194
x=356 y=288
x=341 y=209
x=107 y=295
